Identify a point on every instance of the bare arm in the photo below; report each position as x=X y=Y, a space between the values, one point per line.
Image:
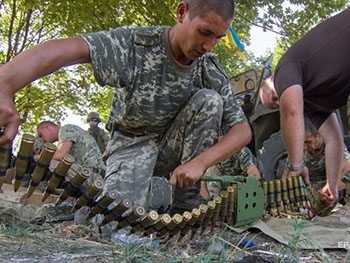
x=188 y=173
x=62 y=149
x=292 y=126
x=334 y=151
x=31 y=65
x=292 y=123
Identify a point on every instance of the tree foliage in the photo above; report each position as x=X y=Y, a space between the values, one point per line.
x=25 y=23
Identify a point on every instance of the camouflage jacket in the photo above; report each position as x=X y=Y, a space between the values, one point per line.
x=150 y=85
x=317 y=164
x=101 y=137
x=85 y=149
x=238 y=164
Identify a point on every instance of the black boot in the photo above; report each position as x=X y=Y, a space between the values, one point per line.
x=186 y=198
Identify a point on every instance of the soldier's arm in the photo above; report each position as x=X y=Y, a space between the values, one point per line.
x=232 y=142
x=334 y=150
x=31 y=65
x=292 y=123
x=62 y=149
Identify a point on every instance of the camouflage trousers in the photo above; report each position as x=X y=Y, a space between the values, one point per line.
x=133 y=160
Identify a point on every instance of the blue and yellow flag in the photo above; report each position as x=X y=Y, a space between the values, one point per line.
x=231 y=40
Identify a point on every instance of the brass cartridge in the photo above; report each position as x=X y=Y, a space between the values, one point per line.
x=195 y=215
x=144 y=222
x=285 y=197
x=278 y=191
x=304 y=195
x=41 y=166
x=73 y=185
x=198 y=224
x=175 y=221
x=58 y=175
x=102 y=204
x=91 y=191
x=231 y=205
x=186 y=217
x=208 y=216
x=264 y=186
x=217 y=200
x=271 y=197
x=5 y=157
x=224 y=206
x=132 y=217
x=117 y=212
x=297 y=193
x=158 y=225
x=24 y=154
x=291 y=194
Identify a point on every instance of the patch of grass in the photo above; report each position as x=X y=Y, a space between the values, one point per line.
x=15 y=230
x=21 y=242
x=291 y=253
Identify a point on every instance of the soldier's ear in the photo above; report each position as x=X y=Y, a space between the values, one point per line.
x=182 y=8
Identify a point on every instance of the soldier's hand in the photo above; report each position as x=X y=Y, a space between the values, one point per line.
x=304 y=173
x=329 y=195
x=9 y=118
x=186 y=174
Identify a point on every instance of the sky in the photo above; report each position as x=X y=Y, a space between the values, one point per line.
x=75 y=119
x=261 y=43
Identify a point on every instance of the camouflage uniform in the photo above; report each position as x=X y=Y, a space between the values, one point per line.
x=317 y=167
x=238 y=164
x=101 y=137
x=163 y=113
x=84 y=149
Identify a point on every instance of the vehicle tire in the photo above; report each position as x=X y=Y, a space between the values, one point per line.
x=271 y=157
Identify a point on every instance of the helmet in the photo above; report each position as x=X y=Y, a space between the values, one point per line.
x=93 y=115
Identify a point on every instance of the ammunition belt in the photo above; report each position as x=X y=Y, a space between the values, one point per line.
x=99 y=171
x=291 y=197
x=244 y=201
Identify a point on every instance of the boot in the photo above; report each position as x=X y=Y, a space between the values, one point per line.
x=186 y=198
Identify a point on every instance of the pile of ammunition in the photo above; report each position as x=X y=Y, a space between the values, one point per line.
x=292 y=197
x=286 y=197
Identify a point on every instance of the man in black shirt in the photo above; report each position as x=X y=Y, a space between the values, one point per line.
x=313 y=79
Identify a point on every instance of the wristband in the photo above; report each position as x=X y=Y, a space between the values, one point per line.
x=295 y=168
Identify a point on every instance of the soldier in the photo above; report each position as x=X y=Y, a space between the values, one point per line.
x=312 y=79
x=100 y=135
x=242 y=163
x=73 y=140
x=171 y=98
x=77 y=142
x=314 y=158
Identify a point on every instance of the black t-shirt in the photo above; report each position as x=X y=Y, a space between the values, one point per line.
x=320 y=63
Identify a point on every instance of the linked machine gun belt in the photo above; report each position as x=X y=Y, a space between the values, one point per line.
x=242 y=202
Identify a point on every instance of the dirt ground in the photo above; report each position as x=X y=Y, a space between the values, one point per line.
x=65 y=242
